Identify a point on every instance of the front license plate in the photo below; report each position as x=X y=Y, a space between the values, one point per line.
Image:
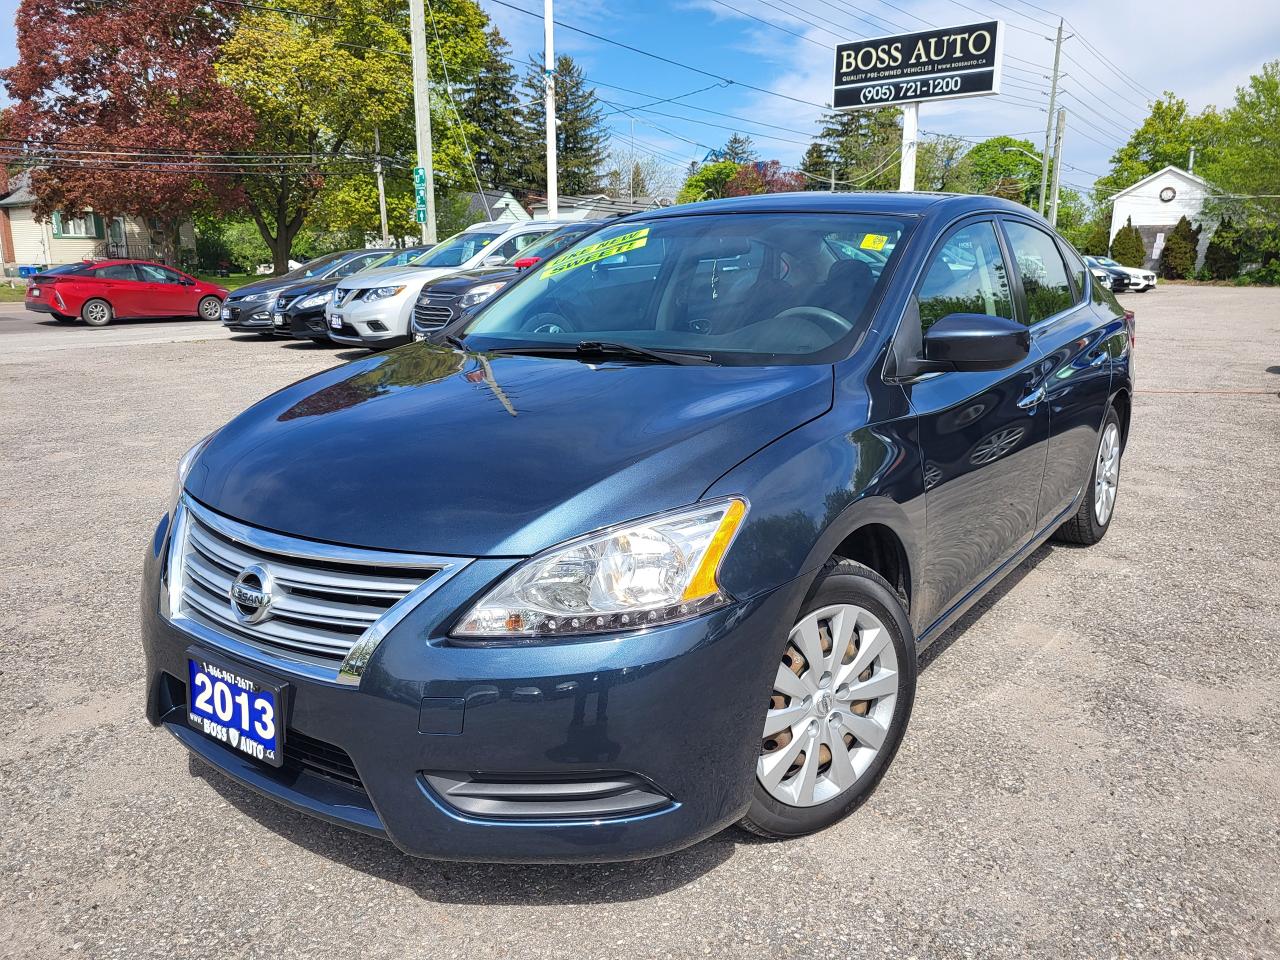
x=335 y=322
x=226 y=313
x=236 y=707
x=278 y=319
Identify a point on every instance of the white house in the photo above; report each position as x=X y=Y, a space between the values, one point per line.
x=71 y=235
x=1156 y=204
x=597 y=206
x=495 y=205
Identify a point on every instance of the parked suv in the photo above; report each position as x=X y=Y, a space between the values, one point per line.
x=442 y=301
x=653 y=544
x=374 y=308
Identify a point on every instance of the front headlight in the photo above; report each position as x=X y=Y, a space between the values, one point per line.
x=254 y=297
x=185 y=464
x=642 y=574
x=480 y=294
x=313 y=301
x=381 y=293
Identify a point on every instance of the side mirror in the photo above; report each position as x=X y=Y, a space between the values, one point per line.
x=186 y=281
x=974 y=341
x=493 y=261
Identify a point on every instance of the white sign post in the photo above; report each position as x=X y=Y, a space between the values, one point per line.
x=942 y=64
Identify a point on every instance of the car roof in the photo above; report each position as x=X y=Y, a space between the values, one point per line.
x=886 y=203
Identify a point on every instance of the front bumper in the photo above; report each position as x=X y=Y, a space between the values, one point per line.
x=678 y=707
x=377 y=323
x=247 y=317
x=302 y=324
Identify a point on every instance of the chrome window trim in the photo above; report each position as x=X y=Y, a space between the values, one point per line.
x=357 y=659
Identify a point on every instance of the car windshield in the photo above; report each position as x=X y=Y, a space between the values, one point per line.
x=458 y=249
x=1107 y=262
x=398 y=258
x=313 y=268
x=550 y=244
x=741 y=288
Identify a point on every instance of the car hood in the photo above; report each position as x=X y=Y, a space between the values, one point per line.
x=266 y=285
x=430 y=450
x=464 y=281
x=307 y=287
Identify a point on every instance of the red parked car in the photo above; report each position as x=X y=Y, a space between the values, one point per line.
x=98 y=291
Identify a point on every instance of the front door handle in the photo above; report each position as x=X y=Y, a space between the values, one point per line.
x=1032 y=398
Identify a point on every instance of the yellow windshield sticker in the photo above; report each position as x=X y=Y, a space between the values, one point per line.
x=874 y=241
x=597 y=251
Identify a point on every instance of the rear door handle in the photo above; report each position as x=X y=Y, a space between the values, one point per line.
x=1032 y=398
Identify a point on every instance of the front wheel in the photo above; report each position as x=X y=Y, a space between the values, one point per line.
x=839 y=706
x=96 y=313
x=210 y=308
x=1093 y=518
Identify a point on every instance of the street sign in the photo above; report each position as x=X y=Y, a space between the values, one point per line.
x=419 y=176
x=420 y=194
x=420 y=215
x=939 y=64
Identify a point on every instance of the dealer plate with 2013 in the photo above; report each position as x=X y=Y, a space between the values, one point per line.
x=239 y=709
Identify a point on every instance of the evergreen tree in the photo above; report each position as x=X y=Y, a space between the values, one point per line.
x=739 y=149
x=1127 y=246
x=1222 y=257
x=863 y=146
x=1178 y=259
x=491 y=108
x=581 y=136
x=816 y=166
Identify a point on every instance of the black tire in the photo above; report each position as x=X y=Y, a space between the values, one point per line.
x=1085 y=529
x=206 y=312
x=97 y=312
x=843 y=581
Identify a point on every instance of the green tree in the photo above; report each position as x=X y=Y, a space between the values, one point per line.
x=319 y=77
x=739 y=149
x=864 y=147
x=708 y=182
x=1247 y=168
x=1178 y=258
x=940 y=165
x=1000 y=166
x=581 y=136
x=490 y=108
x=1127 y=246
x=1165 y=138
x=1222 y=256
x=815 y=165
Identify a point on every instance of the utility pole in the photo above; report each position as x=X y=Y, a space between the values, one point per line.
x=910 y=130
x=1191 y=161
x=1057 y=165
x=631 y=174
x=1048 y=124
x=422 y=112
x=549 y=69
x=382 y=190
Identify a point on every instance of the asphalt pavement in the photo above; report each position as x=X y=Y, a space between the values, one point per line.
x=1092 y=769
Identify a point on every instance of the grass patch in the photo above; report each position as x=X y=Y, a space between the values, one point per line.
x=231 y=282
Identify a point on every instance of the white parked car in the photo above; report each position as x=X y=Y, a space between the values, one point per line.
x=1140 y=280
x=373 y=308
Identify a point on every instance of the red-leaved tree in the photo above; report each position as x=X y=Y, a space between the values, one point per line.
x=763 y=177
x=117 y=108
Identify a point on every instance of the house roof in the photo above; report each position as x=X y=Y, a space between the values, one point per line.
x=1187 y=174
x=483 y=203
x=19 y=194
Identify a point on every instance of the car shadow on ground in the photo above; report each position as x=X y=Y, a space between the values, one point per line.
x=117 y=322
x=491 y=884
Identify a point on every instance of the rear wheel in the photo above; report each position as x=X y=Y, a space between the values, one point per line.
x=839 y=706
x=210 y=308
x=1093 y=519
x=96 y=313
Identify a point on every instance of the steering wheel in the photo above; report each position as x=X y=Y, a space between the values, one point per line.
x=548 y=323
x=831 y=323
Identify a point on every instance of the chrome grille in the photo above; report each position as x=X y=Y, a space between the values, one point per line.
x=324 y=608
x=432 y=315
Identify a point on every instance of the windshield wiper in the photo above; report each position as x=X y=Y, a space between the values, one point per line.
x=605 y=350
x=453 y=341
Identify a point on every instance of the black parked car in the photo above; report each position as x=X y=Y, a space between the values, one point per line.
x=248 y=308
x=444 y=300
x=1113 y=278
x=299 y=310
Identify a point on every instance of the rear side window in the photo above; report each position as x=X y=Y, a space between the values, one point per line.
x=516 y=244
x=356 y=264
x=1079 y=271
x=966 y=275
x=117 y=271
x=1044 y=275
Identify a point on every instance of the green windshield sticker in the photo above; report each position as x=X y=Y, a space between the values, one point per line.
x=597 y=251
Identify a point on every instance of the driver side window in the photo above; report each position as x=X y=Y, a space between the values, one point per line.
x=966 y=275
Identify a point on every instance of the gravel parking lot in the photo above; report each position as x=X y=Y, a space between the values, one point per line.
x=1093 y=767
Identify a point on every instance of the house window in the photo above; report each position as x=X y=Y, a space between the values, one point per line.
x=82 y=225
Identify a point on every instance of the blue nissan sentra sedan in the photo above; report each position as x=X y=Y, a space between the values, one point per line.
x=650 y=543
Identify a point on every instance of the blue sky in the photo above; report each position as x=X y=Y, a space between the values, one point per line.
x=786 y=47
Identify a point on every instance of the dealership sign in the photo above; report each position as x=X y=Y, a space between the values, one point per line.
x=910 y=67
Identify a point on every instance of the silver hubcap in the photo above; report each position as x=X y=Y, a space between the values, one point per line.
x=211 y=309
x=97 y=312
x=1106 y=475
x=831 y=706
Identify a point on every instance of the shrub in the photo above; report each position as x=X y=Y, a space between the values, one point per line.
x=1127 y=246
x=1178 y=259
x=1222 y=257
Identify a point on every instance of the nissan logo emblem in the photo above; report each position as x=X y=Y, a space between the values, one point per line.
x=251 y=594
